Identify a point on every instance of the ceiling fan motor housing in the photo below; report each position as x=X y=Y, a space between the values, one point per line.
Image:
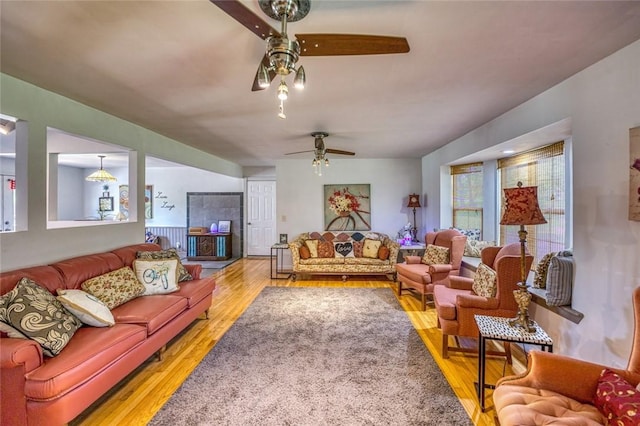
x=294 y=10
x=283 y=54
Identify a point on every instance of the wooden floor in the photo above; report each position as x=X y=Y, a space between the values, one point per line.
x=137 y=398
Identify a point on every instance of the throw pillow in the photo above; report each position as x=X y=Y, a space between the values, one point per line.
x=344 y=249
x=472 y=248
x=304 y=252
x=559 y=281
x=383 y=253
x=370 y=248
x=325 y=249
x=312 y=245
x=540 y=278
x=435 y=255
x=183 y=274
x=34 y=313
x=484 y=281
x=86 y=307
x=157 y=276
x=114 y=288
x=358 y=248
x=617 y=400
x=471 y=234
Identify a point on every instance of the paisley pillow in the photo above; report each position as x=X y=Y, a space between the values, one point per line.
x=30 y=311
x=617 y=399
x=484 y=281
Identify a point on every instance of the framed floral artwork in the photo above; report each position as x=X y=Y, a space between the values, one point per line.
x=347 y=207
x=634 y=174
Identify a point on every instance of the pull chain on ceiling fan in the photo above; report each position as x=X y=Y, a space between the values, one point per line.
x=282 y=53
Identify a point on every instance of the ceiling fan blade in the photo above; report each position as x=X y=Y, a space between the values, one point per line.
x=272 y=74
x=338 y=151
x=300 y=152
x=246 y=17
x=350 y=44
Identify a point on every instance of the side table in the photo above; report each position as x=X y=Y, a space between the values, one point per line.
x=412 y=250
x=498 y=328
x=277 y=258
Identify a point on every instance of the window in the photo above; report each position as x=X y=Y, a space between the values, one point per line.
x=545 y=168
x=467 y=196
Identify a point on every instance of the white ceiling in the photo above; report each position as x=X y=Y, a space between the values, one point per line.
x=185 y=68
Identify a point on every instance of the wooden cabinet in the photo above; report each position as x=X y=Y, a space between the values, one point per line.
x=209 y=246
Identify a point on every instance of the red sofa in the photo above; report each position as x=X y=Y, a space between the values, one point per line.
x=39 y=390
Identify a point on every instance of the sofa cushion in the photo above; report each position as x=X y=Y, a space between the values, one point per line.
x=365 y=261
x=150 y=311
x=90 y=352
x=158 y=276
x=417 y=272
x=86 y=307
x=436 y=255
x=312 y=245
x=617 y=399
x=129 y=253
x=304 y=252
x=323 y=261
x=343 y=249
x=484 y=281
x=370 y=248
x=46 y=276
x=196 y=290
x=115 y=288
x=521 y=405
x=31 y=311
x=79 y=269
x=325 y=249
x=183 y=274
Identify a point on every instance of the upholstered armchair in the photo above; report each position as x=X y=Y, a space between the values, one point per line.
x=421 y=277
x=557 y=389
x=457 y=303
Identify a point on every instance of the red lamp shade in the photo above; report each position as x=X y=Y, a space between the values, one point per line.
x=521 y=206
x=414 y=201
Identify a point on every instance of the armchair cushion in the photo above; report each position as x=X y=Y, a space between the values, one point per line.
x=484 y=281
x=617 y=399
x=436 y=255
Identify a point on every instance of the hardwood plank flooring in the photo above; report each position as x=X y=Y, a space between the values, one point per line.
x=137 y=398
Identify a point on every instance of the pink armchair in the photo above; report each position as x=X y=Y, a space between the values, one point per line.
x=456 y=303
x=422 y=278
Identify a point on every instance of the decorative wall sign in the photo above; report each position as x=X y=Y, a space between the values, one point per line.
x=634 y=174
x=164 y=203
x=347 y=207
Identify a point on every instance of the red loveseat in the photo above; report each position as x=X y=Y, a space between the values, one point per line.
x=38 y=390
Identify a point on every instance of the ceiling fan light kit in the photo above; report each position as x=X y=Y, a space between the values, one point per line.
x=282 y=54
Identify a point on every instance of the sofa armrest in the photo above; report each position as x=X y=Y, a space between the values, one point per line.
x=195 y=269
x=460 y=283
x=20 y=352
x=412 y=260
x=295 y=254
x=567 y=376
x=439 y=269
x=394 y=248
x=473 y=301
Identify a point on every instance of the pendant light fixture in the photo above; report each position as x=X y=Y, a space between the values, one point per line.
x=101 y=175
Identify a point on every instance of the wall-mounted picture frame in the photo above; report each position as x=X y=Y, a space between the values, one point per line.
x=148 y=202
x=634 y=174
x=347 y=207
x=105 y=204
x=284 y=238
x=224 y=226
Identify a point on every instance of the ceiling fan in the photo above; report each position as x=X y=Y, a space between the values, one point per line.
x=319 y=152
x=282 y=53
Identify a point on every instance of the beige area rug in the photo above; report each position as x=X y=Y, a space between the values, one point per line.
x=317 y=356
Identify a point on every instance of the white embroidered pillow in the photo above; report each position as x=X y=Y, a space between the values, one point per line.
x=370 y=248
x=158 y=276
x=86 y=307
x=436 y=255
x=484 y=281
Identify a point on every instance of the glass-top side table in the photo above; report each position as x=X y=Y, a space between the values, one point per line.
x=277 y=272
x=498 y=328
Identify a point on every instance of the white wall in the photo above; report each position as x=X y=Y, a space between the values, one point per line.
x=300 y=192
x=174 y=183
x=40 y=109
x=603 y=102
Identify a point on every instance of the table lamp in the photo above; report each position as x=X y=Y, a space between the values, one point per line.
x=521 y=208
x=414 y=202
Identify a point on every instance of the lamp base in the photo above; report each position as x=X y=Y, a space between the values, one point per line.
x=414 y=234
x=523 y=297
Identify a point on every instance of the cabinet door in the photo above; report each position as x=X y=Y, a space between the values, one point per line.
x=205 y=246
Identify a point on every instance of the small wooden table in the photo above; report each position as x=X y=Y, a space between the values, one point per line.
x=498 y=328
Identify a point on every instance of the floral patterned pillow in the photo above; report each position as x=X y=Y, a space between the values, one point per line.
x=435 y=255
x=325 y=249
x=114 y=288
x=484 y=281
x=183 y=274
x=30 y=311
x=617 y=400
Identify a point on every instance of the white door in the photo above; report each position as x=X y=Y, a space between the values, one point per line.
x=261 y=222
